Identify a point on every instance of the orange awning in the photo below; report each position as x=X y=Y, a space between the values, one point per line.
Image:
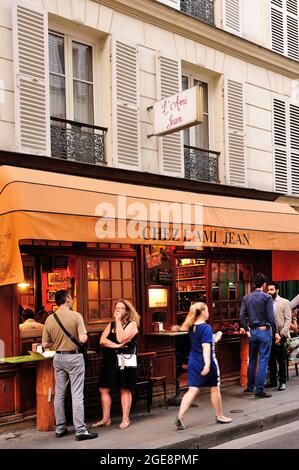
x=50 y=206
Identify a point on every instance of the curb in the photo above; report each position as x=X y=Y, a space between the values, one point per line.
x=235 y=432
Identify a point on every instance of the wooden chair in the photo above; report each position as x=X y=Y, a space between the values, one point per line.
x=145 y=379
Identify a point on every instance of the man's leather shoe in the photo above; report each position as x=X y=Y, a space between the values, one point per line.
x=263 y=395
x=61 y=434
x=87 y=435
x=248 y=391
x=281 y=387
x=270 y=385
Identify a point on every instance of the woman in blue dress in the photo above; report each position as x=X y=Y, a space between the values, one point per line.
x=203 y=370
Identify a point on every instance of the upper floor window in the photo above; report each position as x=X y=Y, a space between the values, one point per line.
x=198 y=136
x=71 y=79
x=284 y=27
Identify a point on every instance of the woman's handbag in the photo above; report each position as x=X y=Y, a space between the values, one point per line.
x=126 y=360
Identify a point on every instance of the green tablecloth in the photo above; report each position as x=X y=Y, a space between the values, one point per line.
x=27 y=358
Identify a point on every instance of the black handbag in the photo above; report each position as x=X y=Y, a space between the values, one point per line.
x=81 y=347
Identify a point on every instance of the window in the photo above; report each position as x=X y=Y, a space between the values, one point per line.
x=108 y=281
x=71 y=79
x=284 y=27
x=198 y=136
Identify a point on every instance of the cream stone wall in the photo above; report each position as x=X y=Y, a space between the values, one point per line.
x=102 y=23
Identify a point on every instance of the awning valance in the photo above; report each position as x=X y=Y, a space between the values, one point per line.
x=50 y=206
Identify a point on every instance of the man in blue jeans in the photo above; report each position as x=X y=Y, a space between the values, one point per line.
x=258 y=308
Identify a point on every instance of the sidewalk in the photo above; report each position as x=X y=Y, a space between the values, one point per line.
x=156 y=430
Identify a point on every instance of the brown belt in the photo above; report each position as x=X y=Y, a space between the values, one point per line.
x=261 y=327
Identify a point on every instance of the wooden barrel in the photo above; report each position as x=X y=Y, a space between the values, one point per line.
x=45 y=390
x=244 y=351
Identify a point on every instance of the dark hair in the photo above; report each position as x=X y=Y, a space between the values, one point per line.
x=61 y=296
x=27 y=313
x=259 y=280
x=274 y=283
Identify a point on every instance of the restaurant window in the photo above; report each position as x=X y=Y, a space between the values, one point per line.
x=108 y=281
x=230 y=282
x=71 y=79
x=26 y=289
x=198 y=136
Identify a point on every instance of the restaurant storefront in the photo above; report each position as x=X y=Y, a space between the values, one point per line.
x=57 y=232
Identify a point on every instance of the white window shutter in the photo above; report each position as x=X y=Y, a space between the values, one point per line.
x=277 y=31
x=171 y=3
x=292 y=29
x=232 y=16
x=171 y=146
x=280 y=147
x=294 y=133
x=235 y=137
x=284 y=27
x=31 y=67
x=126 y=108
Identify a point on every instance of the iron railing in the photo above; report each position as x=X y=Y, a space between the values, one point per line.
x=201 y=164
x=76 y=141
x=200 y=9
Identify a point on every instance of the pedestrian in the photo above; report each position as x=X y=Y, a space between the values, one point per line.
x=203 y=370
x=283 y=316
x=118 y=336
x=68 y=363
x=257 y=307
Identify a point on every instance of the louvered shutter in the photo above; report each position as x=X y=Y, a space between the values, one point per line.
x=280 y=146
x=170 y=146
x=30 y=32
x=284 y=27
x=171 y=3
x=232 y=16
x=235 y=148
x=277 y=30
x=292 y=29
x=125 y=92
x=294 y=160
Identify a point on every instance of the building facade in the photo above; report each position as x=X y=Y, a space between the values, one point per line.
x=78 y=82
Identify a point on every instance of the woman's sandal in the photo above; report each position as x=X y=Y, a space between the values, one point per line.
x=223 y=420
x=101 y=423
x=124 y=425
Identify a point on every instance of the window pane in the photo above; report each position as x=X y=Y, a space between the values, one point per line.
x=93 y=290
x=56 y=54
x=185 y=83
x=116 y=290
x=105 y=290
x=83 y=102
x=127 y=270
x=93 y=308
x=104 y=270
x=115 y=268
x=82 y=61
x=57 y=96
x=128 y=289
x=105 y=309
x=92 y=270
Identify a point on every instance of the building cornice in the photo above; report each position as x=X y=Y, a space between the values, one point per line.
x=179 y=23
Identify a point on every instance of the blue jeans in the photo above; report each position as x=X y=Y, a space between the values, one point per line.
x=259 y=346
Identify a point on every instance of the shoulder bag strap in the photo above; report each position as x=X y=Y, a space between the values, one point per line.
x=74 y=340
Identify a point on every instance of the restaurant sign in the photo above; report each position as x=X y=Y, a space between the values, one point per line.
x=184 y=109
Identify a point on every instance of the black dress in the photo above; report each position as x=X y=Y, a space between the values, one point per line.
x=110 y=374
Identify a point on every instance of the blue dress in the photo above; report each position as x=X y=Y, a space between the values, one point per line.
x=199 y=334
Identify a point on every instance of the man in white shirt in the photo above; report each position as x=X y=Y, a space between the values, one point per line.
x=29 y=325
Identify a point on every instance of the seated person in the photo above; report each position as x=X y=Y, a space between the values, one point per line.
x=30 y=327
x=42 y=315
x=294 y=324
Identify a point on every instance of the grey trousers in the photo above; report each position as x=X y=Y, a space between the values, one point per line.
x=69 y=368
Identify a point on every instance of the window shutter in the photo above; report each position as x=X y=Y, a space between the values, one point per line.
x=171 y=3
x=294 y=131
x=292 y=29
x=284 y=27
x=280 y=147
x=30 y=32
x=171 y=146
x=277 y=31
x=235 y=148
x=232 y=16
x=125 y=92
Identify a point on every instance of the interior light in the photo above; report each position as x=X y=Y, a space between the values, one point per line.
x=23 y=285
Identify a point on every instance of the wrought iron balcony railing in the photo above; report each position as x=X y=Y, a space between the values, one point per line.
x=200 y=9
x=77 y=141
x=201 y=164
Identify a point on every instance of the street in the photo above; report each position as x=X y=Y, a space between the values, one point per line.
x=282 y=437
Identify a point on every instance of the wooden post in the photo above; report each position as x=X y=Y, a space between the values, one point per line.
x=45 y=390
x=244 y=351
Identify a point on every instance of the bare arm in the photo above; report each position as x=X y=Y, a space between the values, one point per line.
x=104 y=341
x=83 y=338
x=207 y=358
x=127 y=334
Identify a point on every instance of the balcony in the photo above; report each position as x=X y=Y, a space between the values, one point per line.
x=201 y=164
x=202 y=10
x=78 y=142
